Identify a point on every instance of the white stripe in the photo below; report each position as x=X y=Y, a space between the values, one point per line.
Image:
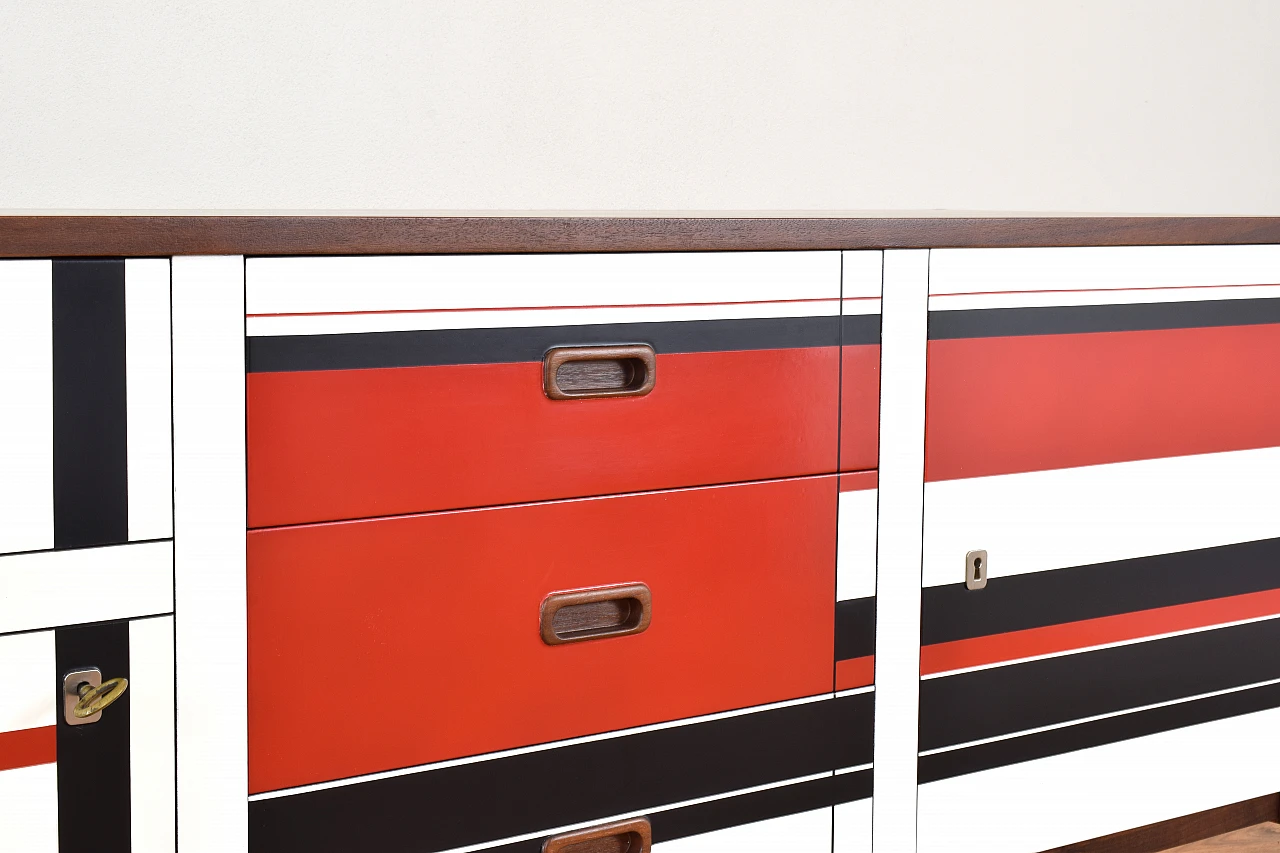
x=856 y=544
x=1050 y=802
x=556 y=830
x=855 y=691
x=1108 y=715
x=862 y=274
x=859 y=307
x=1036 y=299
x=417 y=282
x=26 y=400
x=901 y=478
x=852 y=827
x=841 y=771
x=29 y=809
x=1100 y=268
x=146 y=302
x=29 y=671
x=209 y=524
x=1044 y=520
x=332 y=324
x=805 y=832
x=44 y=589
x=151 y=730
x=1094 y=648
x=542 y=747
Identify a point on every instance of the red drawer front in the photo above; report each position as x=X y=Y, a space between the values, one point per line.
x=334 y=444
x=860 y=408
x=394 y=642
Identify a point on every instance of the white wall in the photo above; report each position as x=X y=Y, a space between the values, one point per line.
x=1056 y=105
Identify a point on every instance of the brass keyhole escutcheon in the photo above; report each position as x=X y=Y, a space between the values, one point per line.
x=95 y=699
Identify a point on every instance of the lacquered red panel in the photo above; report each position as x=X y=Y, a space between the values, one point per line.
x=337 y=444
x=1028 y=403
x=395 y=642
x=860 y=407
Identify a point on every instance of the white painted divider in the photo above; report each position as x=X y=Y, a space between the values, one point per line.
x=806 y=832
x=151 y=733
x=147 y=366
x=209 y=531
x=901 y=479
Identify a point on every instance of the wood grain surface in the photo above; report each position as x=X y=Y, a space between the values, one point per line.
x=160 y=235
x=1261 y=838
x=1185 y=830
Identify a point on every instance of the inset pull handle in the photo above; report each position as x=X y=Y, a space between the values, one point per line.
x=578 y=373
x=624 y=836
x=592 y=614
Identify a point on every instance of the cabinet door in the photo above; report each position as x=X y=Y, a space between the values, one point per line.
x=1103 y=425
x=108 y=781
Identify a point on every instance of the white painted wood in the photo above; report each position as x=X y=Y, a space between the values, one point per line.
x=26 y=405
x=1101 y=268
x=209 y=527
x=856 y=544
x=861 y=274
x=150 y=435
x=853 y=827
x=152 y=800
x=408 y=282
x=400 y=321
x=1043 y=520
x=1038 y=805
x=807 y=832
x=28 y=671
x=110 y=582
x=1040 y=299
x=901 y=487
x=29 y=809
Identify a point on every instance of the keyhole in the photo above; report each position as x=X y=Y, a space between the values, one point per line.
x=977 y=568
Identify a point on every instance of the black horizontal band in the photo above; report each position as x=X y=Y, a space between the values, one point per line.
x=1037 y=599
x=584 y=782
x=523 y=344
x=858 y=329
x=970 y=706
x=737 y=811
x=1078 y=319
x=1029 y=747
x=855 y=628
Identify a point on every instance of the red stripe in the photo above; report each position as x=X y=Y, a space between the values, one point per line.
x=855 y=672
x=1014 y=645
x=28 y=747
x=860 y=407
x=538 y=308
x=1012 y=404
x=859 y=481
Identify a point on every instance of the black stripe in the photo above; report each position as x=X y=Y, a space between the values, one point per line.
x=738 y=811
x=855 y=628
x=1077 y=319
x=93 y=759
x=858 y=329
x=1036 y=599
x=90 y=462
x=586 y=782
x=970 y=706
x=494 y=346
x=944 y=765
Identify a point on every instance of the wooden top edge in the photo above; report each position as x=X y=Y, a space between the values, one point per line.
x=24 y=236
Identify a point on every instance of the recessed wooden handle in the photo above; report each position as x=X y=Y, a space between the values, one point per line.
x=593 y=614
x=624 y=836
x=579 y=373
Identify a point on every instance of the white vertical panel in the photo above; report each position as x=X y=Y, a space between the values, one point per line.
x=151 y=733
x=29 y=809
x=807 y=832
x=853 y=827
x=861 y=274
x=27 y=667
x=26 y=405
x=209 y=539
x=146 y=306
x=899 y=547
x=856 y=545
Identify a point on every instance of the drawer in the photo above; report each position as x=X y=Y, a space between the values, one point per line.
x=433 y=394
x=113 y=773
x=861 y=277
x=421 y=634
